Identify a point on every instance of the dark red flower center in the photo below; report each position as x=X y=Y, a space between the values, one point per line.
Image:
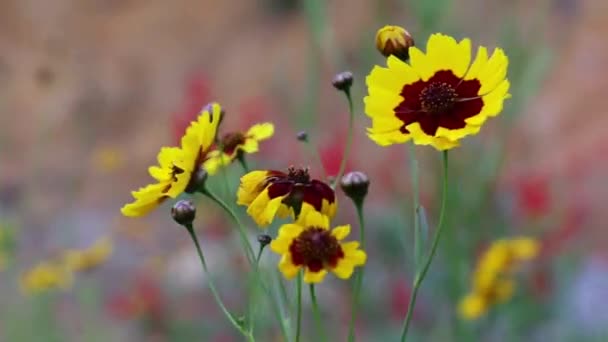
x=298 y=175
x=444 y=100
x=315 y=248
x=437 y=97
x=231 y=141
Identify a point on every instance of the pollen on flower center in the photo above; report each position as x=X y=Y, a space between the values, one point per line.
x=298 y=175
x=315 y=248
x=230 y=141
x=437 y=97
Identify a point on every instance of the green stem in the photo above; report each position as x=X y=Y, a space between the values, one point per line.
x=243 y=162
x=317 y=312
x=420 y=276
x=214 y=292
x=249 y=250
x=359 y=277
x=299 y=306
x=349 y=138
x=416 y=196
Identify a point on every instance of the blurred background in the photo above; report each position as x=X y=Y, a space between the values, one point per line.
x=90 y=90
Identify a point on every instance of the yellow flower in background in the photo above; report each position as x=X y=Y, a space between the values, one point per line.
x=274 y=193
x=177 y=166
x=234 y=144
x=45 y=276
x=77 y=260
x=309 y=244
x=107 y=159
x=439 y=97
x=493 y=281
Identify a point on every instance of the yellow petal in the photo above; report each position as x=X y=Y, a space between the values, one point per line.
x=493 y=72
x=421 y=63
x=251 y=186
x=215 y=161
x=444 y=53
x=341 y=232
x=312 y=218
x=261 y=131
x=344 y=269
x=263 y=209
x=287 y=267
x=314 y=277
x=472 y=307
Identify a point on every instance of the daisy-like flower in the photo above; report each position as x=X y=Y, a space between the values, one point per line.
x=86 y=259
x=275 y=193
x=235 y=144
x=439 y=97
x=46 y=276
x=177 y=167
x=311 y=245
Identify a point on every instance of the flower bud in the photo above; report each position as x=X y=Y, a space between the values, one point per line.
x=394 y=40
x=264 y=240
x=343 y=81
x=355 y=185
x=302 y=136
x=183 y=212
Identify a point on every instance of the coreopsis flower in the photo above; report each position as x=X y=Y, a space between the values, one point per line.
x=275 y=193
x=311 y=245
x=234 y=144
x=439 y=97
x=45 y=276
x=77 y=260
x=493 y=277
x=177 y=167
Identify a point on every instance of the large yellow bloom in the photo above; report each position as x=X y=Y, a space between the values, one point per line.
x=309 y=244
x=235 y=144
x=274 y=193
x=86 y=259
x=177 y=166
x=46 y=276
x=439 y=97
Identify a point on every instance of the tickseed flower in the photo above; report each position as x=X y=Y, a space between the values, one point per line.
x=439 y=97
x=177 y=167
x=235 y=144
x=394 y=40
x=493 y=281
x=275 y=193
x=45 y=276
x=311 y=244
x=87 y=259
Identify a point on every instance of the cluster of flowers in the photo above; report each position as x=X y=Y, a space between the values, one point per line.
x=493 y=279
x=60 y=273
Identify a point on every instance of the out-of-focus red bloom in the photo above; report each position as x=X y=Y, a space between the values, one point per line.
x=533 y=197
x=541 y=282
x=196 y=95
x=332 y=152
x=143 y=299
x=400 y=299
x=572 y=224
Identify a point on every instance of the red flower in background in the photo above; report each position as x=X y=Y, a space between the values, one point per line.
x=332 y=152
x=400 y=292
x=197 y=94
x=142 y=299
x=532 y=196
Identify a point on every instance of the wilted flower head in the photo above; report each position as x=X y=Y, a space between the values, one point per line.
x=311 y=245
x=439 y=97
x=275 y=193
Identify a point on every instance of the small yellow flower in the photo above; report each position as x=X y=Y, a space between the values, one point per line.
x=45 y=276
x=83 y=260
x=309 y=244
x=439 y=97
x=177 y=166
x=394 y=40
x=274 y=193
x=235 y=144
x=472 y=306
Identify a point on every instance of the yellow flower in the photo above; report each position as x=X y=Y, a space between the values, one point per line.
x=275 y=193
x=177 y=166
x=235 y=144
x=439 y=97
x=472 y=306
x=394 y=40
x=309 y=244
x=82 y=260
x=45 y=276
x=524 y=248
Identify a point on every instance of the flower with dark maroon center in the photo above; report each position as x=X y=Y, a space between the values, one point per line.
x=275 y=193
x=438 y=97
x=311 y=245
x=234 y=145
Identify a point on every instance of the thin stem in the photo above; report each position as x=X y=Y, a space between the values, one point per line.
x=214 y=292
x=249 y=250
x=349 y=138
x=243 y=162
x=420 y=276
x=416 y=195
x=316 y=312
x=359 y=276
x=299 y=306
